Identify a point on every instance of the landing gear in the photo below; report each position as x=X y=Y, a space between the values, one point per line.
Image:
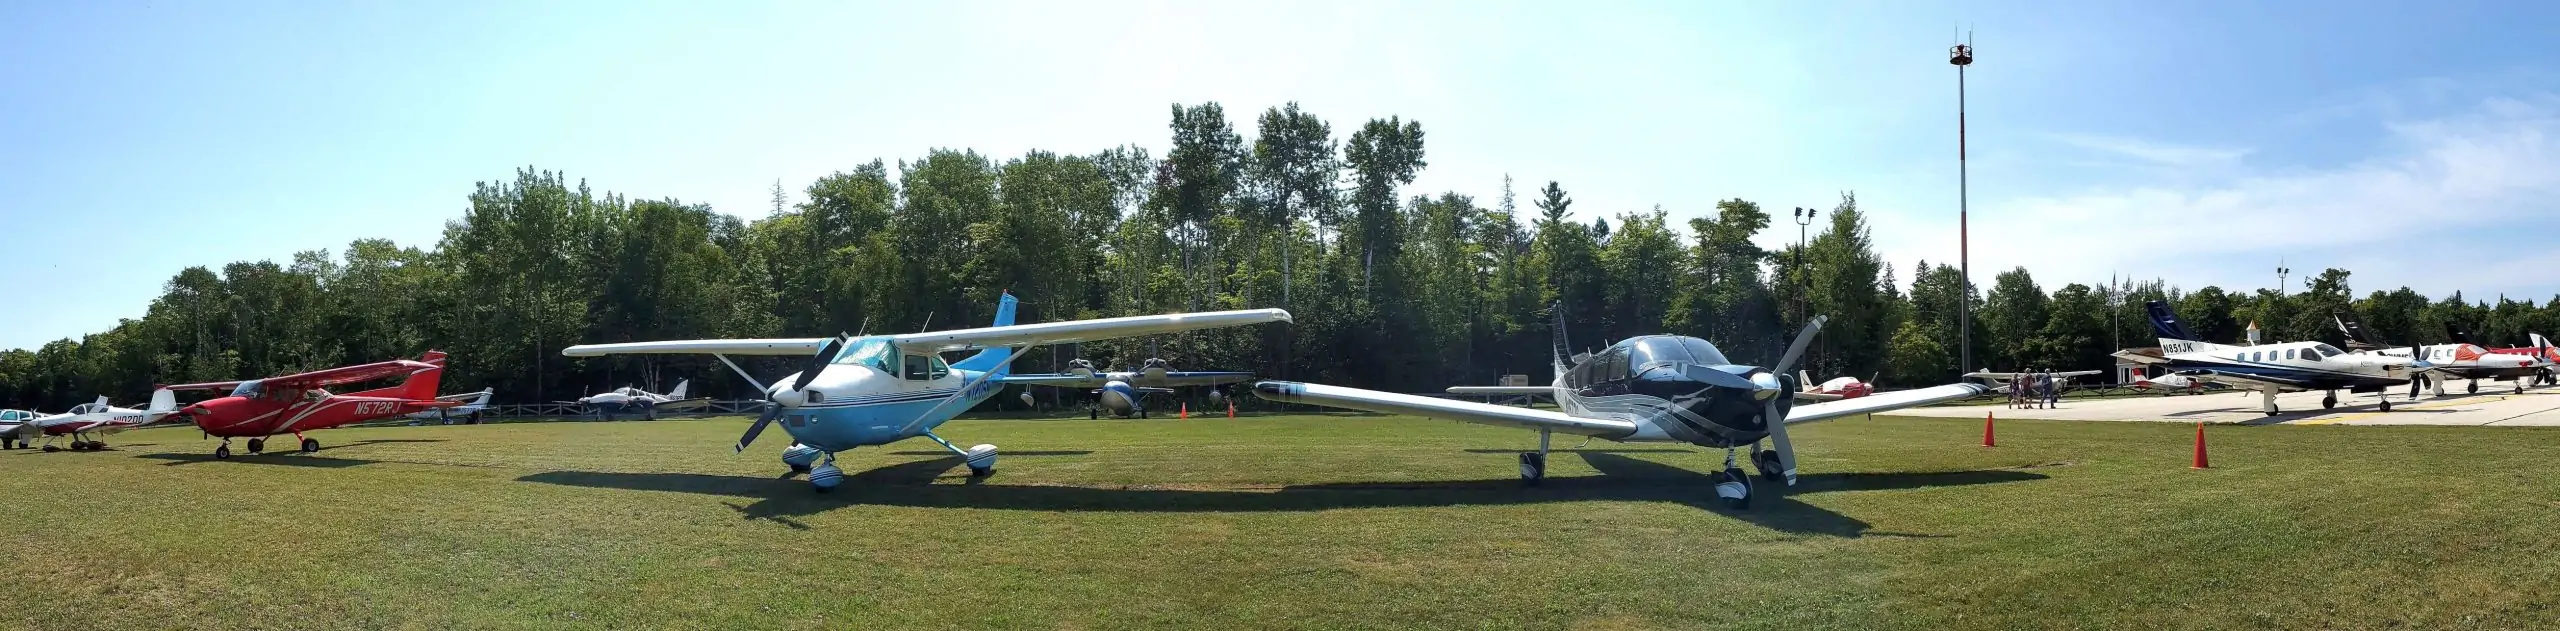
x=257 y=445
x=310 y=445
x=826 y=476
x=981 y=458
x=799 y=457
x=223 y=452
x=49 y=448
x=1766 y=460
x=1093 y=414
x=2268 y=398
x=2329 y=401
x=2474 y=388
x=1732 y=486
x=1142 y=412
x=1533 y=464
x=2386 y=403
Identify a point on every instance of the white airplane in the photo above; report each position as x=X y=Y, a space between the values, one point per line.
x=2171 y=383
x=102 y=419
x=1124 y=393
x=16 y=431
x=2459 y=360
x=881 y=389
x=628 y=398
x=1655 y=388
x=2005 y=381
x=2274 y=368
x=474 y=404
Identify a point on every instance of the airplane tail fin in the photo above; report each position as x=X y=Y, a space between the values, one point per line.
x=2174 y=336
x=102 y=400
x=678 y=393
x=1804 y=379
x=2455 y=334
x=421 y=385
x=2356 y=335
x=483 y=401
x=991 y=358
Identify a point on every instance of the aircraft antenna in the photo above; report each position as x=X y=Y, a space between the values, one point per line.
x=928 y=322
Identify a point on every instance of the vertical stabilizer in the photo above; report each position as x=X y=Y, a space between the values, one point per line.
x=2165 y=322
x=992 y=358
x=678 y=393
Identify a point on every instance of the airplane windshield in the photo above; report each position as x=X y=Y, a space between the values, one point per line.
x=246 y=389
x=1702 y=352
x=872 y=352
x=2327 y=350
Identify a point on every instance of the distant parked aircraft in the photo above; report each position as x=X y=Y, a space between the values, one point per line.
x=1123 y=393
x=293 y=404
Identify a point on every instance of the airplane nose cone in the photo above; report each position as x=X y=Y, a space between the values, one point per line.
x=1768 y=386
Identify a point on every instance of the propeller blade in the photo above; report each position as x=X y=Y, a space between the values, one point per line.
x=1718 y=378
x=1796 y=351
x=819 y=362
x=1777 y=421
x=771 y=411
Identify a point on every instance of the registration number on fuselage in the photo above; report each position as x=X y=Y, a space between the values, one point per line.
x=377 y=407
x=2177 y=347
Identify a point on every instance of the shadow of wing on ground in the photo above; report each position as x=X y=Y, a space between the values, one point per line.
x=1588 y=451
x=285 y=459
x=911 y=484
x=945 y=452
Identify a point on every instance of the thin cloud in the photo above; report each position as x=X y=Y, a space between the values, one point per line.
x=2157 y=153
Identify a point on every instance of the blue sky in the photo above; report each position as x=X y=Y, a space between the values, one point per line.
x=2414 y=143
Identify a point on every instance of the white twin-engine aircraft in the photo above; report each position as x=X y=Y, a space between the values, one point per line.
x=880 y=389
x=1656 y=388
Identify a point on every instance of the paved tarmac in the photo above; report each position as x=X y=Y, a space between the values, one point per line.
x=2497 y=405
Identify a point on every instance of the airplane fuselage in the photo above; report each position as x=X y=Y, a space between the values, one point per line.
x=2311 y=365
x=852 y=405
x=254 y=417
x=2469 y=361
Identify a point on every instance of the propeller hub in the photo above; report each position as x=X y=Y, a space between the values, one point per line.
x=1769 y=386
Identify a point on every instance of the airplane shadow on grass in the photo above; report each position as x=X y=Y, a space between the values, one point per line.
x=1622 y=479
x=287 y=456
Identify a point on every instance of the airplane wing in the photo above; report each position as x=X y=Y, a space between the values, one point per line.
x=1444 y=409
x=465 y=397
x=1883 y=402
x=1194 y=378
x=2003 y=376
x=2253 y=382
x=1058 y=380
x=323 y=378
x=1078 y=330
x=1503 y=390
x=770 y=346
x=680 y=405
x=1817 y=396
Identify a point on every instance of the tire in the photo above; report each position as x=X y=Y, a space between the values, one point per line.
x=2474 y=388
x=257 y=445
x=222 y=452
x=2386 y=404
x=2328 y=402
x=310 y=445
x=1094 y=415
x=1767 y=462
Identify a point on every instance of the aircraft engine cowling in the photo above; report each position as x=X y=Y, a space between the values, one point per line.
x=1119 y=399
x=1217 y=396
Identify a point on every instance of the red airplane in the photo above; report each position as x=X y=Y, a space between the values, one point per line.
x=292 y=404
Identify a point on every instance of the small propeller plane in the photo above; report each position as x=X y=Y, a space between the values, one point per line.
x=2540 y=348
x=628 y=398
x=2271 y=369
x=881 y=389
x=2458 y=360
x=293 y=404
x=1836 y=388
x=1655 y=388
x=17 y=429
x=1124 y=393
x=100 y=418
x=471 y=404
x=2171 y=383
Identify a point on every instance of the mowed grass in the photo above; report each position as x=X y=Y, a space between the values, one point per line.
x=1291 y=522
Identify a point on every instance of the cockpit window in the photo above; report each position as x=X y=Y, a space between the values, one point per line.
x=247 y=389
x=1648 y=351
x=925 y=367
x=872 y=352
x=1702 y=352
x=2328 y=351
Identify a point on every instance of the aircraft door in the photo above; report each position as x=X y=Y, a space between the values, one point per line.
x=923 y=367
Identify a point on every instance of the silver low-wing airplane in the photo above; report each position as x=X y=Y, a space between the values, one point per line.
x=1124 y=393
x=1656 y=388
x=2275 y=368
x=880 y=389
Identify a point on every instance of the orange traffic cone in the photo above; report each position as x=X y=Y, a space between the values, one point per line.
x=1231 y=408
x=1986 y=430
x=1186 y=410
x=2200 y=462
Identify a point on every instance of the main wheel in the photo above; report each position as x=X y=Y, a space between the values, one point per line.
x=310 y=445
x=2328 y=402
x=257 y=445
x=2386 y=404
x=1767 y=462
x=1142 y=413
x=1095 y=415
x=79 y=445
x=2474 y=388
x=1533 y=467
x=222 y=452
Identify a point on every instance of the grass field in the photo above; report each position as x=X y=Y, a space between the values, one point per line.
x=1290 y=522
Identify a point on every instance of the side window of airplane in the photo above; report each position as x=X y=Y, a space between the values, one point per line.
x=925 y=367
x=2288 y=353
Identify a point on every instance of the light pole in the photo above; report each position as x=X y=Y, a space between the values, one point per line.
x=2281 y=272
x=1804 y=280
x=1962 y=55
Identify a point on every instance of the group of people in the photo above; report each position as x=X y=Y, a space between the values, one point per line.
x=2034 y=388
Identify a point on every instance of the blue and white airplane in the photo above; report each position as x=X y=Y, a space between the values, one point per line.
x=2271 y=369
x=1124 y=393
x=881 y=389
x=474 y=403
x=1654 y=388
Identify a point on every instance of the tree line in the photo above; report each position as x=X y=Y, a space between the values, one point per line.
x=1391 y=288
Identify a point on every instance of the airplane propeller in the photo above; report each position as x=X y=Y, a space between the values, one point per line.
x=1776 y=418
x=772 y=404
